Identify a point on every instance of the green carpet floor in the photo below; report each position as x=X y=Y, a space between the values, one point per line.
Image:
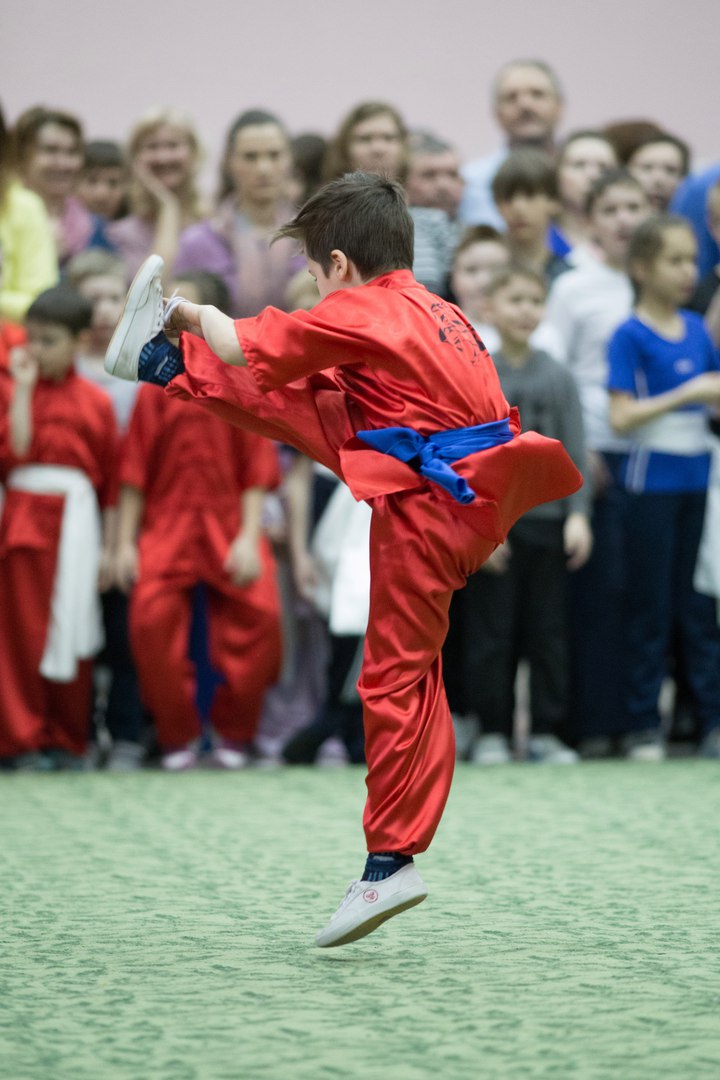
x=161 y=928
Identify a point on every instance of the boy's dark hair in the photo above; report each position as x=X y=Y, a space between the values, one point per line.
x=478 y=234
x=94 y=262
x=646 y=241
x=525 y=171
x=612 y=178
x=361 y=214
x=103 y=154
x=211 y=288
x=516 y=270
x=672 y=140
x=62 y=306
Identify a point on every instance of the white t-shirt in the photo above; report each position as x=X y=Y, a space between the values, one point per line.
x=585 y=308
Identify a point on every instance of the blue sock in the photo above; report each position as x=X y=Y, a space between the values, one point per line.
x=160 y=361
x=381 y=864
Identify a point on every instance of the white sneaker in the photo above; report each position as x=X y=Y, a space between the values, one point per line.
x=491 y=750
x=228 y=757
x=549 y=750
x=180 y=760
x=142 y=319
x=368 y=904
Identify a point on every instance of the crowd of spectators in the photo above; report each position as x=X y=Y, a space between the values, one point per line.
x=227 y=623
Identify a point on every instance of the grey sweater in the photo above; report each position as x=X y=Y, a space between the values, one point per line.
x=545 y=393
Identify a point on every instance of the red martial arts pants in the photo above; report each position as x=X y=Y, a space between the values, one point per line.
x=243 y=637
x=35 y=713
x=421 y=550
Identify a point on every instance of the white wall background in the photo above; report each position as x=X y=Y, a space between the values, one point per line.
x=110 y=60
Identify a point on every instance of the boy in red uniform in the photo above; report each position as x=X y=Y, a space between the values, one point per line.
x=445 y=482
x=194 y=488
x=57 y=459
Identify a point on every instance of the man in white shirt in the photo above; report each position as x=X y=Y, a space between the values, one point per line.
x=528 y=105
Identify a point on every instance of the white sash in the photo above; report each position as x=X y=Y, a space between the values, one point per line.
x=341 y=549
x=75 y=629
x=684 y=433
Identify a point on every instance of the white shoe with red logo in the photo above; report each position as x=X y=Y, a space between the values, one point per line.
x=368 y=904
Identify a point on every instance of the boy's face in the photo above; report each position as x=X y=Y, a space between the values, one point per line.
x=658 y=167
x=615 y=216
x=516 y=309
x=528 y=216
x=672 y=275
x=53 y=348
x=259 y=163
x=583 y=162
x=102 y=189
x=106 y=293
x=474 y=269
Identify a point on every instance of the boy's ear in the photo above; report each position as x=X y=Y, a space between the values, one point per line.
x=340 y=264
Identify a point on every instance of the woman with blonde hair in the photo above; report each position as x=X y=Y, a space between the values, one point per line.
x=164 y=155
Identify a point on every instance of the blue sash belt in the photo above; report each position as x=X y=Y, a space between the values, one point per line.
x=432 y=455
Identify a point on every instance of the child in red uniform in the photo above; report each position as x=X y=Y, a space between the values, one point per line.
x=194 y=488
x=378 y=350
x=57 y=457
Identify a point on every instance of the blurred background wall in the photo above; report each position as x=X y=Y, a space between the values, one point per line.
x=109 y=60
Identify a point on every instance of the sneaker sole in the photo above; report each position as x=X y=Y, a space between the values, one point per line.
x=137 y=293
x=367 y=927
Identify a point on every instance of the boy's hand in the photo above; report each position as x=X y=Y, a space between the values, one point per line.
x=23 y=368
x=126 y=567
x=498 y=561
x=305 y=575
x=577 y=540
x=242 y=561
x=185 y=317
x=598 y=473
x=106 y=570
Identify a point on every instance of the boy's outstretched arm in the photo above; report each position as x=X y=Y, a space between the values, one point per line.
x=216 y=329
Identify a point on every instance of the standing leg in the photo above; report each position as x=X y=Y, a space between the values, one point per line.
x=652 y=526
x=419 y=555
x=245 y=650
x=67 y=723
x=29 y=536
x=160 y=612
